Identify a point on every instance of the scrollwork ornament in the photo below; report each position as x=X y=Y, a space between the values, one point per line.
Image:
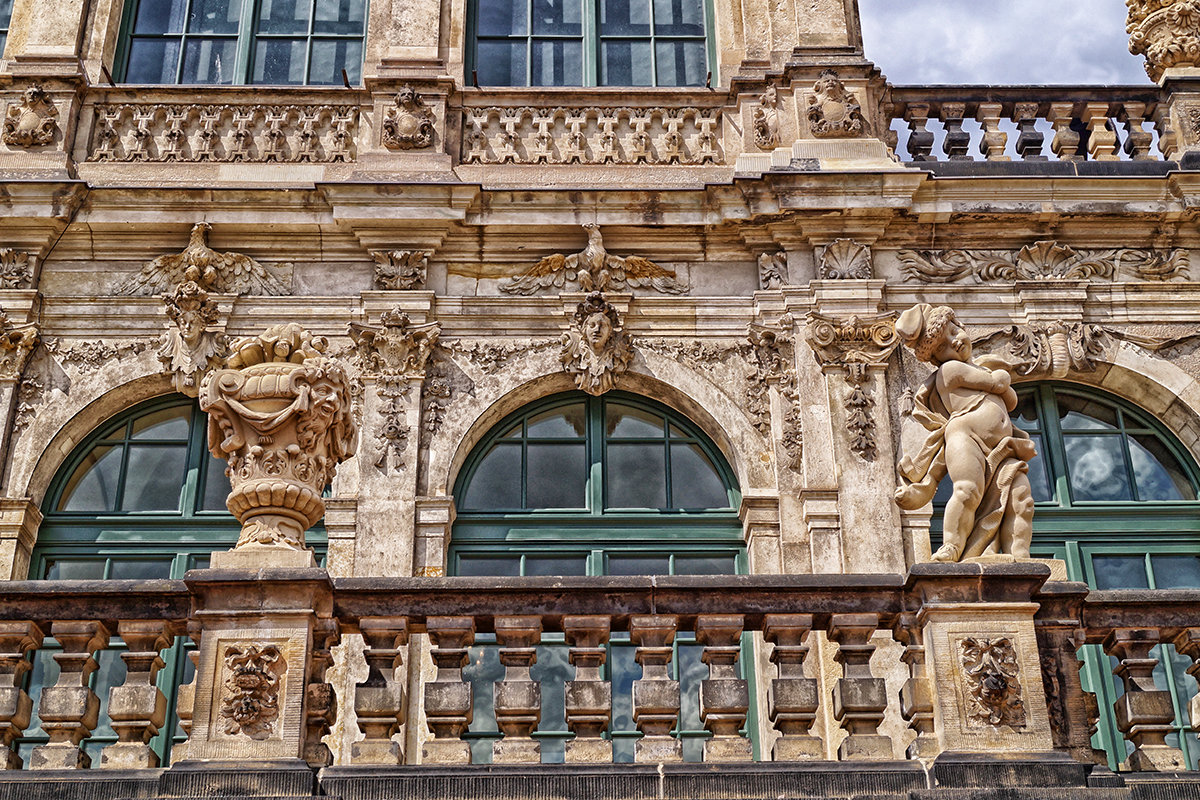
x=1166 y=32
x=409 y=123
x=832 y=110
x=250 y=705
x=33 y=122
x=16 y=269
x=595 y=348
x=993 y=680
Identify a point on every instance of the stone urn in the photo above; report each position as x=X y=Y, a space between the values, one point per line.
x=279 y=413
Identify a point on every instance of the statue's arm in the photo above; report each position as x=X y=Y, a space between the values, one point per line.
x=961 y=375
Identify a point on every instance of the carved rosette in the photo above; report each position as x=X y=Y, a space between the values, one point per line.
x=595 y=348
x=400 y=269
x=1166 y=32
x=766 y=120
x=17 y=343
x=279 y=412
x=832 y=110
x=250 y=705
x=772 y=270
x=194 y=342
x=33 y=122
x=992 y=677
x=409 y=123
x=845 y=259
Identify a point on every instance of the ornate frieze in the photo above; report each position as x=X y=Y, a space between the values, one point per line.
x=250 y=701
x=844 y=259
x=400 y=269
x=408 y=124
x=194 y=342
x=992 y=676
x=1052 y=349
x=1040 y=261
x=222 y=273
x=595 y=348
x=16 y=269
x=832 y=110
x=772 y=270
x=1166 y=32
x=33 y=121
x=493 y=357
x=766 y=120
x=198 y=132
x=17 y=343
x=92 y=356
x=525 y=135
x=595 y=269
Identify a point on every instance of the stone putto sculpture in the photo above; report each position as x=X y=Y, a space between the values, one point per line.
x=833 y=111
x=766 y=120
x=596 y=349
x=965 y=405
x=279 y=412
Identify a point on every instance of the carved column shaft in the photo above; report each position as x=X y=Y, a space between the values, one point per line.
x=793 y=700
x=448 y=708
x=859 y=699
x=16 y=639
x=518 y=699
x=655 y=694
x=69 y=710
x=136 y=708
x=588 y=697
x=1144 y=713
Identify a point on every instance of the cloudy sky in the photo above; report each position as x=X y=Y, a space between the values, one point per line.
x=1011 y=42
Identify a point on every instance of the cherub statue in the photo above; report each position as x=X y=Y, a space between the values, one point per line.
x=965 y=405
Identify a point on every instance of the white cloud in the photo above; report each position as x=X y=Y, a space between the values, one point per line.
x=1013 y=42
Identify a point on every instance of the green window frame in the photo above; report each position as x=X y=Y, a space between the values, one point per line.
x=576 y=43
x=242 y=42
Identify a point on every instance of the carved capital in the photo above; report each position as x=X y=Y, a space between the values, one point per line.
x=17 y=343
x=1166 y=32
x=1053 y=349
x=33 y=121
x=408 y=124
x=16 y=269
x=853 y=344
x=595 y=348
x=396 y=347
x=400 y=269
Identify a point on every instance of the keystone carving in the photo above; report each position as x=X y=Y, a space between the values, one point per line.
x=596 y=349
x=33 y=121
x=409 y=124
x=16 y=269
x=400 y=269
x=221 y=273
x=251 y=702
x=772 y=270
x=766 y=120
x=595 y=269
x=833 y=111
x=993 y=682
x=194 y=342
x=17 y=343
x=1040 y=261
x=965 y=405
x=279 y=412
x=845 y=259
x=1053 y=349
x=1166 y=32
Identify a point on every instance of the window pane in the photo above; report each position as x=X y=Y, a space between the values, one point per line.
x=140 y=568
x=1038 y=479
x=170 y=423
x=154 y=478
x=679 y=17
x=1025 y=415
x=561 y=423
x=557 y=476
x=502 y=17
x=1120 y=572
x=681 y=63
x=343 y=16
x=216 y=485
x=624 y=422
x=284 y=16
x=1176 y=572
x=1078 y=414
x=1097 y=468
x=636 y=476
x=501 y=63
x=155 y=16
x=639 y=565
x=110 y=672
x=625 y=670
x=624 y=63
x=329 y=58
x=1158 y=473
x=209 y=61
x=497 y=481
x=705 y=565
x=74 y=570
x=694 y=481
x=488 y=566
x=556 y=565
x=557 y=63
x=279 y=61
x=552 y=670
x=692 y=670
x=152 y=61
x=557 y=17
x=93 y=487
x=215 y=16
x=625 y=18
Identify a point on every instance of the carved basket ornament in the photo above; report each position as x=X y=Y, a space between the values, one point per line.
x=1166 y=32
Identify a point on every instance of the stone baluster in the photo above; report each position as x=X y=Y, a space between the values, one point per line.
x=957 y=142
x=655 y=694
x=69 y=710
x=1138 y=140
x=1188 y=644
x=920 y=141
x=518 y=699
x=792 y=698
x=1144 y=713
x=588 y=698
x=859 y=700
x=916 y=695
x=185 y=697
x=1029 y=138
x=724 y=697
x=1067 y=130
x=448 y=698
x=16 y=639
x=136 y=708
x=379 y=700
x=1102 y=138
x=994 y=140
x=320 y=702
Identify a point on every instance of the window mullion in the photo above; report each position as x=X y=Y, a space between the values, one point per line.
x=597 y=443
x=1052 y=440
x=247 y=30
x=591 y=42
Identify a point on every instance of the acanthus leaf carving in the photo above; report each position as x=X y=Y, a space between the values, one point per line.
x=595 y=269
x=832 y=110
x=250 y=705
x=993 y=679
x=222 y=273
x=596 y=348
x=408 y=124
x=766 y=120
x=33 y=122
x=194 y=342
x=16 y=269
x=400 y=269
x=17 y=343
x=1054 y=349
x=1042 y=260
x=772 y=270
x=844 y=259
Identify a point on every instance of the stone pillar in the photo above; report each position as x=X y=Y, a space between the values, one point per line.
x=448 y=697
x=859 y=698
x=793 y=699
x=655 y=694
x=1072 y=712
x=379 y=700
x=588 y=697
x=518 y=699
x=434 y=522
x=69 y=710
x=1144 y=713
x=826 y=28
x=19 y=523
x=16 y=640
x=404 y=39
x=724 y=697
x=136 y=708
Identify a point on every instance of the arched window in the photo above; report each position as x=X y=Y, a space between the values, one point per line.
x=590 y=42
x=580 y=485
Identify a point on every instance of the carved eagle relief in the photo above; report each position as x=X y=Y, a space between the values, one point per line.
x=223 y=273
x=595 y=269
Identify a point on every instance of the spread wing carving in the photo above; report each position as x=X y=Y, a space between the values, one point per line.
x=226 y=273
x=638 y=271
x=159 y=276
x=550 y=271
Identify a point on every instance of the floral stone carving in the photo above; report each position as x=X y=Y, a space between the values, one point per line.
x=279 y=412
x=1166 y=32
x=251 y=702
x=773 y=358
x=1053 y=349
x=16 y=270
x=1042 y=260
x=409 y=124
x=400 y=269
x=595 y=269
x=766 y=120
x=596 y=349
x=194 y=343
x=32 y=122
x=992 y=677
x=17 y=343
x=845 y=259
x=832 y=110
x=223 y=273
x=965 y=405
x=772 y=270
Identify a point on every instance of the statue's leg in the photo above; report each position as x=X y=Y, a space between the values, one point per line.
x=1016 y=529
x=966 y=466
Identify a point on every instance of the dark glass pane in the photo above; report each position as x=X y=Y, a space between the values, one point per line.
x=140 y=568
x=568 y=422
x=557 y=63
x=1097 y=468
x=110 y=672
x=1025 y=415
x=694 y=481
x=210 y=61
x=625 y=18
x=284 y=16
x=501 y=63
x=626 y=63
x=502 y=18
x=472 y=566
x=556 y=565
x=553 y=669
x=625 y=670
x=625 y=422
x=279 y=61
x=74 y=569
x=1176 y=572
x=1082 y=414
x=329 y=58
x=705 y=565
x=170 y=424
x=513 y=433
x=154 y=478
x=154 y=16
x=557 y=476
x=681 y=63
x=3 y=42
x=152 y=61
x=679 y=17
x=1158 y=473
x=691 y=672
x=1038 y=479
x=216 y=485
x=497 y=480
x=941 y=495
x=639 y=565
x=1120 y=572
x=44 y=673
x=557 y=17
x=93 y=486
x=342 y=16
x=215 y=16
x=636 y=476
x=5 y=13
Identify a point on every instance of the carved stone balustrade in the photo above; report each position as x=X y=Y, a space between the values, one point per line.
x=1144 y=712
x=655 y=694
x=69 y=710
x=137 y=709
x=518 y=700
x=588 y=696
x=16 y=639
x=794 y=699
x=859 y=698
x=379 y=700
x=916 y=695
x=448 y=699
x=724 y=697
